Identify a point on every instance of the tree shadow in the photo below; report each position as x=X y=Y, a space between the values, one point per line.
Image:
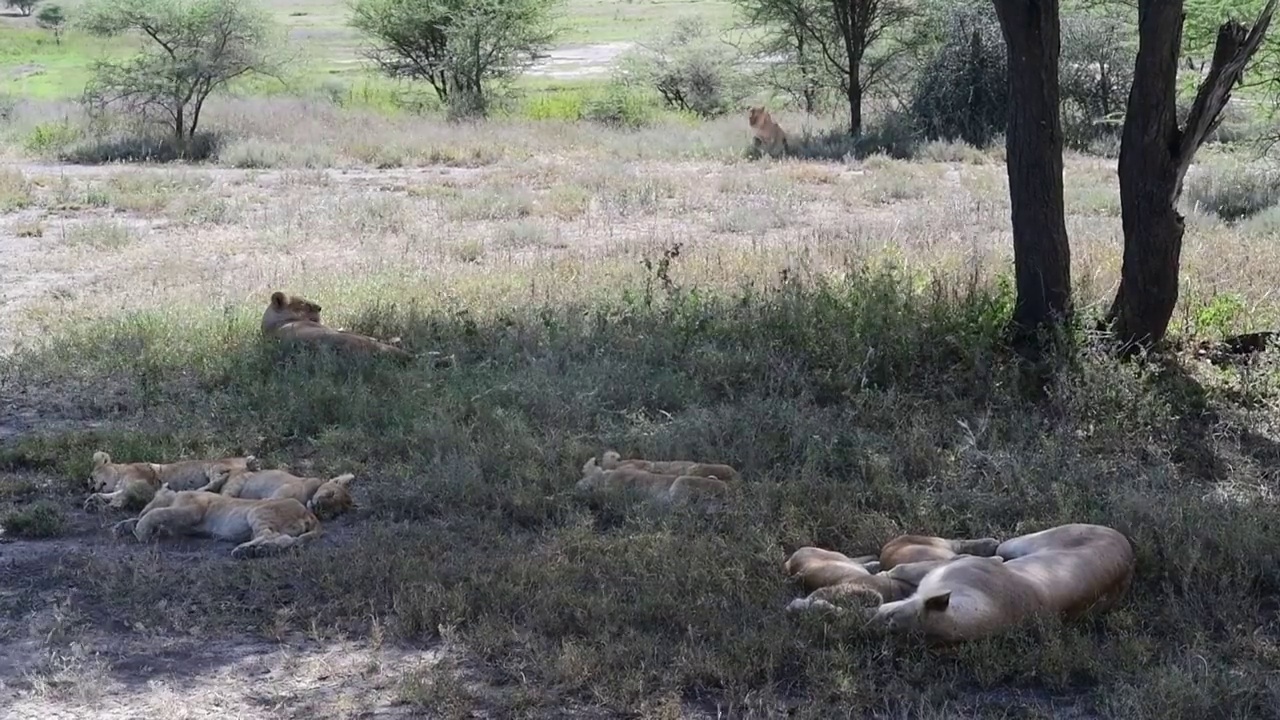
x=1200 y=423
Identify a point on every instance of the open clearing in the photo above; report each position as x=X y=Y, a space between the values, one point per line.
x=594 y=33
x=829 y=327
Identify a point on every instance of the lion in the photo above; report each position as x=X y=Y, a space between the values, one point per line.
x=261 y=527
x=293 y=318
x=326 y=498
x=611 y=460
x=1067 y=570
x=664 y=489
x=765 y=133
x=129 y=485
x=918 y=548
x=828 y=576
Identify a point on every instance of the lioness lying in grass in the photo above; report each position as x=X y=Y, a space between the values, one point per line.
x=1067 y=570
x=611 y=460
x=262 y=527
x=132 y=485
x=663 y=489
x=297 y=319
x=326 y=498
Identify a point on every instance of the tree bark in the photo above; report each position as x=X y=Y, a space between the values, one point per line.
x=1041 y=254
x=1154 y=156
x=854 y=95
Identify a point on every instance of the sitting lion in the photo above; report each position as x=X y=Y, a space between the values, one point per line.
x=293 y=318
x=131 y=485
x=326 y=498
x=613 y=461
x=765 y=132
x=261 y=527
x=1066 y=570
x=829 y=576
x=665 y=489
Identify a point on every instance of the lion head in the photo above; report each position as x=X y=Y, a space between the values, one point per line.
x=106 y=476
x=592 y=474
x=333 y=498
x=288 y=308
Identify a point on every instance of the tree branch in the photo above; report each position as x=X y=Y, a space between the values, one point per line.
x=1235 y=47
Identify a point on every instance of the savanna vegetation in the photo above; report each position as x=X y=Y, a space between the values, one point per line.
x=943 y=312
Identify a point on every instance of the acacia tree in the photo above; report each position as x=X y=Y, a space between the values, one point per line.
x=1155 y=152
x=1041 y=254
x=798 y=70
x=192 y=49
x=460 y=47
x=842 y=34
x=52 y=18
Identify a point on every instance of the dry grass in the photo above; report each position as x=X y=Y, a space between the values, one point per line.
x=831 y=328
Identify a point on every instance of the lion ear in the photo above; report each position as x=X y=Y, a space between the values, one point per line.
x=938 y=603
x=100 y=458
x=277 y=299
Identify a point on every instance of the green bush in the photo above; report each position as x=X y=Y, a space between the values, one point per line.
x=37 y=520
x=1095 y=73
x=619 y=106
x=962 y=92
x=691 y=69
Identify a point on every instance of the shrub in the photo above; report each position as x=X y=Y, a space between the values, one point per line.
x=1235 y=191
x=619 y=106
x=38 y=520
x=1095 y=73
x=962 y=91
x=690 y=69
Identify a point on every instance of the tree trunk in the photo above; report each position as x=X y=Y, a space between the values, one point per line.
x=1154 y=156
x=853 y=93
x=1150 y=181
x=1041 y=255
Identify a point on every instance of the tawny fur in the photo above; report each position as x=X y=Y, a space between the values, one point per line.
x=326 y=498
x=261 y=527
x=1067 y=570
x=829 y=577
x=765 y=133
x=293 y=318
x=664 y=489
x=132 y=485
x=611 y=460
x=918 y=548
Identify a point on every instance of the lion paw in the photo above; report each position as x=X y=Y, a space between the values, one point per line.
x=806 y=604
x=244 y=552
x=124 y=528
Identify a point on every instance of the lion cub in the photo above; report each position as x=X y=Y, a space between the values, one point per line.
x=1066 y=570
x=262 y=527
x=129 y=485
x=906 y=549
x=664 y=489
x=830 y=576
x=326 y=498
x=293 y=318
x=613 y=461
x=765 y=132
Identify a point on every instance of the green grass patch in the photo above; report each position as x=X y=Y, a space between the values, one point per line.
x=34 y=521
x=857 y=408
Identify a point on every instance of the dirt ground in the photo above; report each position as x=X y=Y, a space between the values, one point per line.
x=60 y=659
